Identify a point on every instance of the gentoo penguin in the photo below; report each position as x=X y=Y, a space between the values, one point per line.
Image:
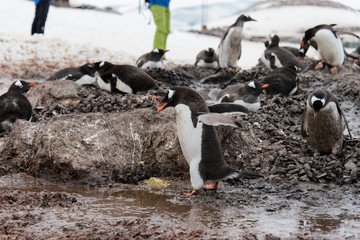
x=282 y=81
x=153 y=59
x=229 y=50
x=82 y=75
x=323 y=122
x=14 y=105
x=246 y=95
x=326 y=40
x=198 y=138
x=275 y=56
x=207 y=59
x=123 y=78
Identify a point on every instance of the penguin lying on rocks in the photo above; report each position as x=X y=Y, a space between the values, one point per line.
x=207 y=59
x=14 y=105
x=282 y=81
x=84 y=74
x=275 y=56
x=198 y=139
x=153 y=59
x=244 y=95
x=322 y=122
x=325 y=39
x=229 y=50
x=123 y=78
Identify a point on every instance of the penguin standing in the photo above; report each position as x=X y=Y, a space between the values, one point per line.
x=14 y=105
x=207 y=59
x=282 y=81
x=327 y=42
x=123 y=78
x=153 y=59
x=275 y=56
x=230 y=46
x=245 y=95
x=198 y=138
x=322 y=122
x=82 y=75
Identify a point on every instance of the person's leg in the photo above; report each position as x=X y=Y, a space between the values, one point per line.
x=36 y=20
x=42 y=15
x=167 y=23
x=159 y=14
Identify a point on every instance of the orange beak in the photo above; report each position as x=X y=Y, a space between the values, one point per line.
x=265 y=86
x=302 y=43
x=162 y=106
x=31 y=84
x=251 y=19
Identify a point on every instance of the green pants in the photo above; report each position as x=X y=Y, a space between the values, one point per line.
x=162 y=20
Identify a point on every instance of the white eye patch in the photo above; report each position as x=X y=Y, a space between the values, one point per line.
x=252 y=84
x=313 y=99
x=18 y=84
x=156 y=50
x=171 y=94
x=102 y=64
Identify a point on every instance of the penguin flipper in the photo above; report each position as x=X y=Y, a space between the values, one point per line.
x=217 y=119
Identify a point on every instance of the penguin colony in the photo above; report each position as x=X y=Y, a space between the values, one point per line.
x=196 y=121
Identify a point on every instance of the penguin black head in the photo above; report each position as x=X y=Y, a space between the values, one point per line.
x=210 y=52
x=275 y=40
x=102 y=66
x=158 y=52
x=255 y=88
x=243 y=18
x=21 y=86
x=318 y=100
x=182 y=95
x=89 y=69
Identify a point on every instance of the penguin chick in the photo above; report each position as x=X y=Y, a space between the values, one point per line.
x=275 y=56
x=282 y=81
x=198 y=138
x=322 y=122
x=14 y=105
x=207 y=59
x=82 y=75
x=245 y=95
x=230 y=45
x=153 y=59
x=123 y=78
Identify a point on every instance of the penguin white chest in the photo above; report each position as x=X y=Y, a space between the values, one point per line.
x=153 y=64
x=190 y=139
x=86 y=79
x=330 y=47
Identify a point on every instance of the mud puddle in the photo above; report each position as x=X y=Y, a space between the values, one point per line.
x=257 y=208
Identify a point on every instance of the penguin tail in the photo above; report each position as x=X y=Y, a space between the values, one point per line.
x=237 y=176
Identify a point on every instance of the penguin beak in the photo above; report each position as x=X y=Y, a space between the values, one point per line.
x=31 y=84
x=251 y=19
x=162 y=106
x=265 y=86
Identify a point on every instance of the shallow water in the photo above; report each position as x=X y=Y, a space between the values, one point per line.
x=308 y=210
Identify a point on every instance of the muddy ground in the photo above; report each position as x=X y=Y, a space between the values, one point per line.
x=268 y=142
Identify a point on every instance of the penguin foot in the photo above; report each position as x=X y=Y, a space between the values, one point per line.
x=193 y=192
x=211 y=186
x=154 y=98
x=333 y=70
x=319 y=65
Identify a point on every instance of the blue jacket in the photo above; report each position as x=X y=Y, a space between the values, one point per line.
x=164 y=3
x=37 y=2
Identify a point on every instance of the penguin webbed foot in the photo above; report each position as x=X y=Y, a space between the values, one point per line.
x=185 y=195
x=333 y=70
x=211 y=186
x=319 y=65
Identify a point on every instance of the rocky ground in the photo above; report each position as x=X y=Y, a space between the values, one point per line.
x=86 y=136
